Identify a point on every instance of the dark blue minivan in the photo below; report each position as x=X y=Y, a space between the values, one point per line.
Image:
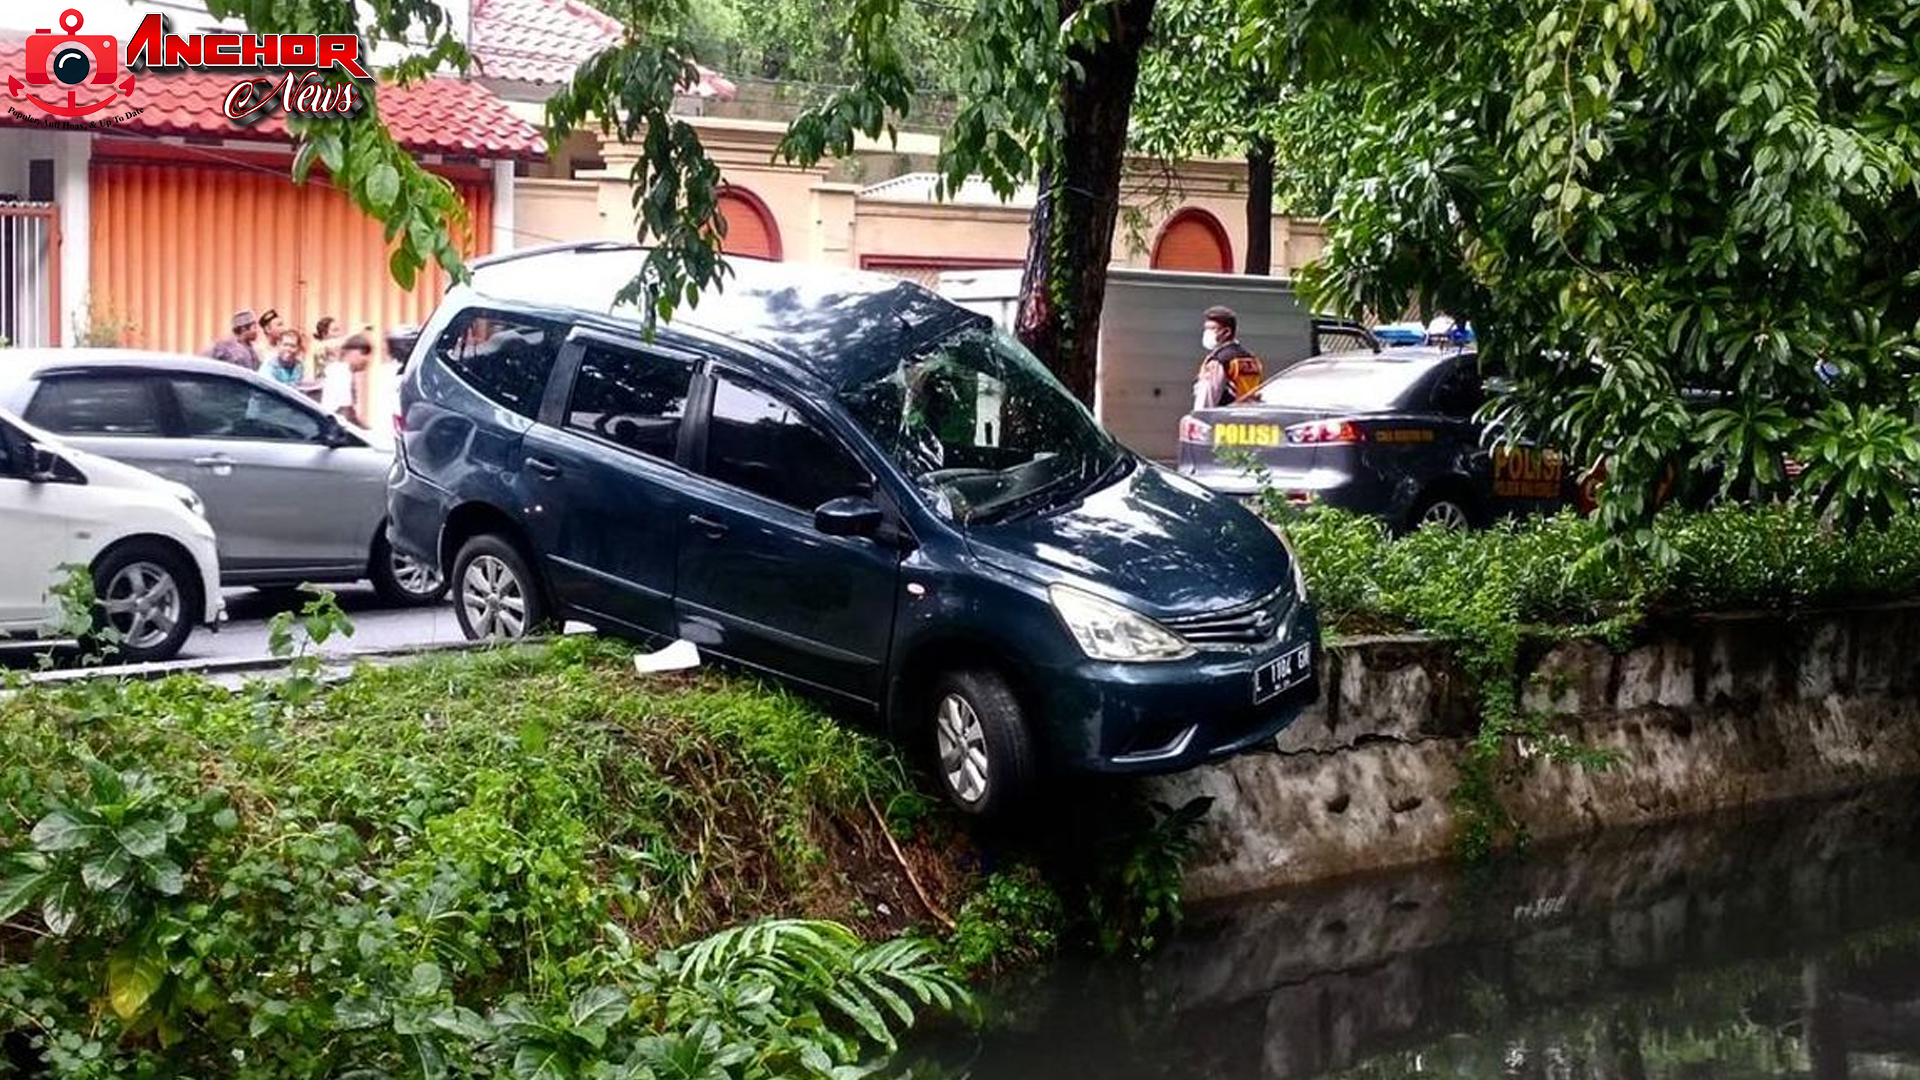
x=845 y=481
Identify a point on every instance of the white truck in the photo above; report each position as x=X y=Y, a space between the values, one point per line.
x=1150 y=339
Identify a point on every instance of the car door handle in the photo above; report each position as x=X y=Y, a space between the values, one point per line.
x=547 y=469
x=212 y=460
x=714 y=529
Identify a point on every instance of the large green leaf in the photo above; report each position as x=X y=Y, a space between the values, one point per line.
x=131 y=982
x=63 y=831
x=19 y=890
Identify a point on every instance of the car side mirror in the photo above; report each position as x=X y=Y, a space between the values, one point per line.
x=849 y=515
x=335 y=434
x=47 y=467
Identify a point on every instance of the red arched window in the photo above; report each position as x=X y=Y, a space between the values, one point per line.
x=751 y=229
x=1193 y=239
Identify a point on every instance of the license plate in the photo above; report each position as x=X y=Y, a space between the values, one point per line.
x=1283 y=674
x=1246 y=435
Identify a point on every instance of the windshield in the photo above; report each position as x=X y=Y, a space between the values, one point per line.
x=1342 y=384
x=983 y=430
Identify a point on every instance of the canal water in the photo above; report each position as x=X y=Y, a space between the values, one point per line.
x=1776 y=943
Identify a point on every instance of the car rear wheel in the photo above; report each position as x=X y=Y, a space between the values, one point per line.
x=983 y=749
x=402 y=580
x=147 y=602
x=1444 y=511
x=496 y=596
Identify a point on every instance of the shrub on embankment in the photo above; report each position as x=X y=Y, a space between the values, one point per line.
x=508 y=863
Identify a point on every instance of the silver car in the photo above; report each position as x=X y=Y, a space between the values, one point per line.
x=294 y=494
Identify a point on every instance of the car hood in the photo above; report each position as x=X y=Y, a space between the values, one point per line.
x=1154 y=540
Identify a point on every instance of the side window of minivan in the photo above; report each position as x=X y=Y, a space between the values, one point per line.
x=630 y=398
x=507 y=358
x=757 y=442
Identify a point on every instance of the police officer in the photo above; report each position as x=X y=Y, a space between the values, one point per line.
x=1228 y=371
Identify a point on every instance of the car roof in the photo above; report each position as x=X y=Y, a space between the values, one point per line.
x=32 y=363
x=1397 y=355
x=833 y=324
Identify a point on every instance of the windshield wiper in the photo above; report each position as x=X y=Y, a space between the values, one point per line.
x=1041 y=498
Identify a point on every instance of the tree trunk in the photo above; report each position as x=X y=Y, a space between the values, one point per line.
x=1071 y=238
x=1260 y=205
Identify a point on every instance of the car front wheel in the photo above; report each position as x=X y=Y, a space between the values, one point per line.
x=496 y=596
x=148 y=600
x=983 y=751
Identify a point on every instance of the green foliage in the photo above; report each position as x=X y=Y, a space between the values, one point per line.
x=1634 y=202
x=805 y=41
x=462 y=867
x=1203 y=92
x=1134 y=899
x=1012 y=921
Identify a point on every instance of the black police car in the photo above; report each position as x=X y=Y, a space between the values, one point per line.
x=1388 y=433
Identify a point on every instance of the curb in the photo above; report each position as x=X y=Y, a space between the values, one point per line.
x=244 y=665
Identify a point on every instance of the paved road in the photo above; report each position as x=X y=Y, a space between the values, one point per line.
x=375 y=626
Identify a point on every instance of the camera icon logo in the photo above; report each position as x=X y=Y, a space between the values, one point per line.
x=72 y=59
x=68 y=61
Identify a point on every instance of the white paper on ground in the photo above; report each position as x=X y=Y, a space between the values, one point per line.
x=678 y=656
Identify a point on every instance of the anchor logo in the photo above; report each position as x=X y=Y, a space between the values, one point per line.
x=71 y=60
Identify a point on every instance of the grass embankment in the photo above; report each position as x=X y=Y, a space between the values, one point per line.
x=470 y=866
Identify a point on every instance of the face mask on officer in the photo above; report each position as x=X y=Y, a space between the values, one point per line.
x=1209 y=339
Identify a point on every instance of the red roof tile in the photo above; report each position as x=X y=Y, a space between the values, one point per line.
x=437 y=116
x=543 y=41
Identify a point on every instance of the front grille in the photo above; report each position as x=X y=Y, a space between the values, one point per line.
x=1248 y=624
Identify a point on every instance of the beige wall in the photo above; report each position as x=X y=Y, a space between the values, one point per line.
x=823 y=220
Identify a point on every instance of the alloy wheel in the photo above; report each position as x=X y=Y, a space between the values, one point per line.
x=1446 y=514
x=414 y=576
x=143 y=604
x=963 y=749
x=495 y=601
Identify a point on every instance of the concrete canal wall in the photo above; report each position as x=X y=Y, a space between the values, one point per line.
x=1703 y=714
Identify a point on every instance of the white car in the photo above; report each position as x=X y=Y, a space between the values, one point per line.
x=144 y=540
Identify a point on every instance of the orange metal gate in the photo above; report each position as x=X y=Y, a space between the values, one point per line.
x=180 y=244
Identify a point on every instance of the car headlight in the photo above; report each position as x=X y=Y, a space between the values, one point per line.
x=1107 y=631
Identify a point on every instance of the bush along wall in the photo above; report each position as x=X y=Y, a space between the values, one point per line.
x=527 y=862
x=1504 y=594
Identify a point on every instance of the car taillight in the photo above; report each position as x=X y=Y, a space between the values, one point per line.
x=1326 y=431
x=399 y=424
x=1195 y=430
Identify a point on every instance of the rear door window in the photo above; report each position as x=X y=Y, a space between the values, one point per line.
x=96 y=405
x=1459 y=393
x=507 y=358
x=759 y=443
x=633 y=399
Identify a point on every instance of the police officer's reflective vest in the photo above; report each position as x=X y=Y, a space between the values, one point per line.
x=1243 y=369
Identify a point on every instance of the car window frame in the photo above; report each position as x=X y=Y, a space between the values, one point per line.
x=161 y=402
x=464 y=318
x=176 y=413
x=1468 y=363
x=817 y=417
x=566 y=372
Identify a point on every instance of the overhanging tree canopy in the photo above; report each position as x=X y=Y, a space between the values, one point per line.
x=1640 y=202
